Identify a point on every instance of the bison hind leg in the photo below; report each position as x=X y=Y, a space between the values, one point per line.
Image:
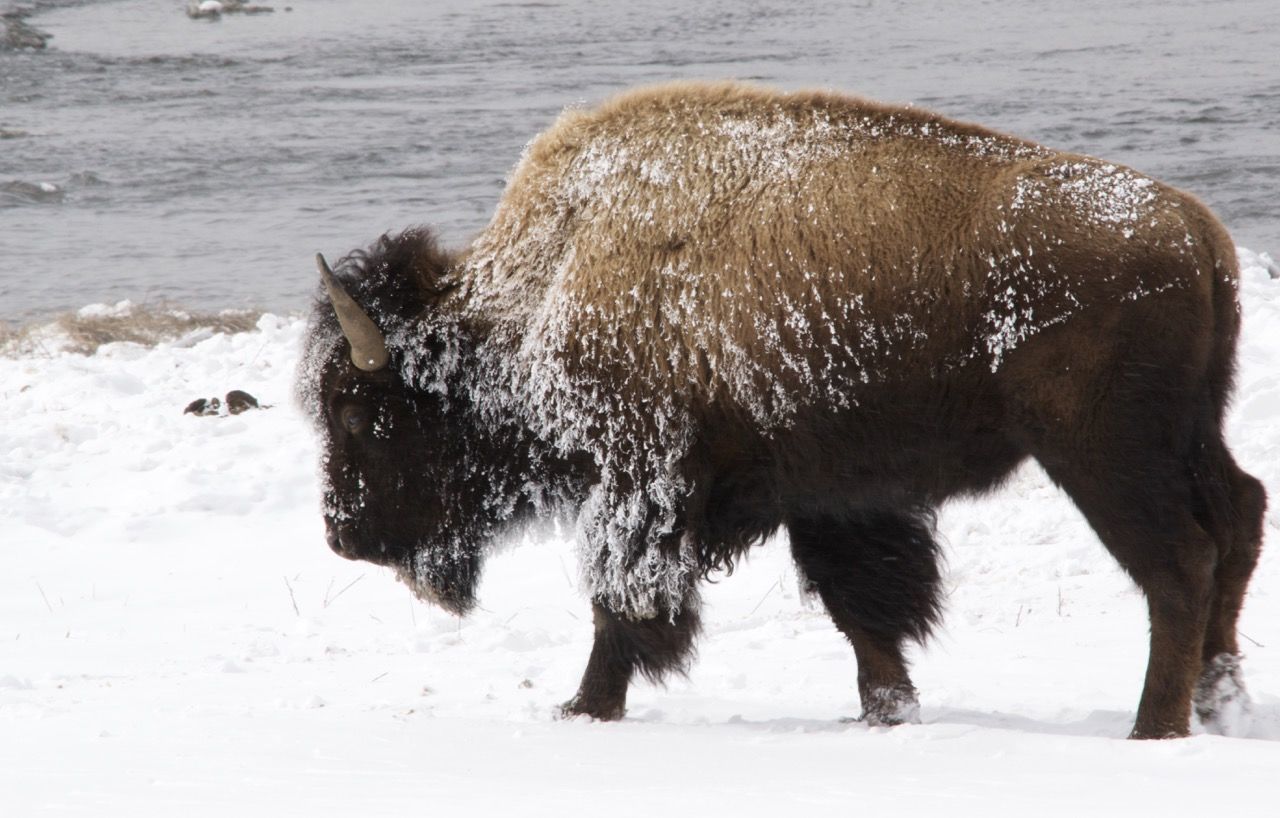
x=877 y=573
x=1230 y=506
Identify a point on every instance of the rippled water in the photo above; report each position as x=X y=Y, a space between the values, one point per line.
x=148 y=156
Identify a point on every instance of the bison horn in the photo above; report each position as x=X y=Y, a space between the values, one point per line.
x=368 y=349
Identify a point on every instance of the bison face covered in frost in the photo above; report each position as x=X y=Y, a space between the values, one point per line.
x=411 y=481
x=704 y=313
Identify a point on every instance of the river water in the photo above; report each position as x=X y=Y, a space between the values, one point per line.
x=149 y=156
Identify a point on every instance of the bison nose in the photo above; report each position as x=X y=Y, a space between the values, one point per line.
x=333 y=536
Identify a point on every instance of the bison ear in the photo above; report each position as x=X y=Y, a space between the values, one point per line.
x=431 y=265
x=368 y=348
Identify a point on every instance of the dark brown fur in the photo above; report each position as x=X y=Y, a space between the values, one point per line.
x=703 y=313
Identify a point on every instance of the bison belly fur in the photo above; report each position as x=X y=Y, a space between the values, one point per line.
x=702 y=313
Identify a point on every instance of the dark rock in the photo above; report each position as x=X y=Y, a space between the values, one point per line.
x=203 y=407
x=239 y=401
x=15 y=34
x=214 y=9
x=31 y=192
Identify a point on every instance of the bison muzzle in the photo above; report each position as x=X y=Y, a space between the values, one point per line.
x=703 y=313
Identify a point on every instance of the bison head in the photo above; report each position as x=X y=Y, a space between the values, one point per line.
x=402 y=480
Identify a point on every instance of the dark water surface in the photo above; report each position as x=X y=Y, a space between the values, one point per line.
x=148 y=156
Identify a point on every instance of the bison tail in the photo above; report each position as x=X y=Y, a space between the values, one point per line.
x=1218 y=259
x=1229 y=503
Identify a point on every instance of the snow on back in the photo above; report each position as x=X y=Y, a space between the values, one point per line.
x=1101 y=193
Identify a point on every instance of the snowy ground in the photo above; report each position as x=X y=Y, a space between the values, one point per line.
x=176 y=638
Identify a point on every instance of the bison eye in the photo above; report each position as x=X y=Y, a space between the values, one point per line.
x=353 y=419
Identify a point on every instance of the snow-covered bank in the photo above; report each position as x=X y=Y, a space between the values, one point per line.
x=174 y=635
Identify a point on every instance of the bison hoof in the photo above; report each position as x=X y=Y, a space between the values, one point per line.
x=1157 y=733
x=1221 y=701
x=890 y=706
x=596 y=711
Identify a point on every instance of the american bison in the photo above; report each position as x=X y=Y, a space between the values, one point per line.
x=702 y=313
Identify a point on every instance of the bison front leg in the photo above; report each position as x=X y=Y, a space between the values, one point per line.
x=877 y=573
x=653 y=647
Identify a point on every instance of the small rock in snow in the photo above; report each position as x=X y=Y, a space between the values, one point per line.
x=203 y=407
x=240 y=401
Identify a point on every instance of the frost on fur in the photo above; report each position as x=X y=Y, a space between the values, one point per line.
x=724 y=251
x=1221 y=700
x=618 y=297
x=890 y=706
